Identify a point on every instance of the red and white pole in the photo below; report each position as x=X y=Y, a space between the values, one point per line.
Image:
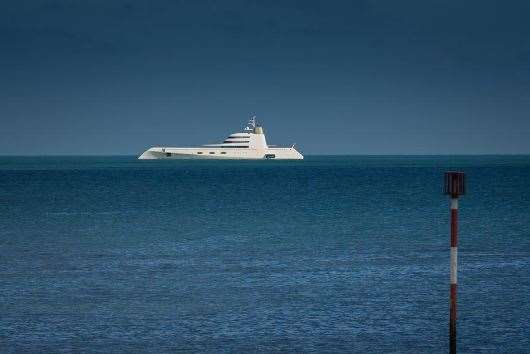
x=454 y=270
x=454 y=186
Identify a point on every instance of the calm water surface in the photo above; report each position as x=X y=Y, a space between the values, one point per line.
x=329 y=254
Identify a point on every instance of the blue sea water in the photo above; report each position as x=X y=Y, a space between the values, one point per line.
x=329 y=255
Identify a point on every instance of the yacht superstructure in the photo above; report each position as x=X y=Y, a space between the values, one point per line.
x=250 y=143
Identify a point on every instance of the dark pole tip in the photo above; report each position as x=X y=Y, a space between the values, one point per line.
x=454 y=183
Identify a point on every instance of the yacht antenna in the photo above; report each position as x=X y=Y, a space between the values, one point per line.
x=251 y=123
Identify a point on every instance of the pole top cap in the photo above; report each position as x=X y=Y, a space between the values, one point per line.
x=455 y=183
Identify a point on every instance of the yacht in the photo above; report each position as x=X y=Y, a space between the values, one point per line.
x=250 y=143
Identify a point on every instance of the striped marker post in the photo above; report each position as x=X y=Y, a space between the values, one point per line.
x=454 y=186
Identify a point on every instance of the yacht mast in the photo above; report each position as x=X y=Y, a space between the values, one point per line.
x=251 y=124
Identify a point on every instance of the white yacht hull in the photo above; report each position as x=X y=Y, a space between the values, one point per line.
x=248 y=144
x=156 y=153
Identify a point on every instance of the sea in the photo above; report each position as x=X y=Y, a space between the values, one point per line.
x=332 y=254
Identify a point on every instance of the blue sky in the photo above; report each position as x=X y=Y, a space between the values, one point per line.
x=355 y=77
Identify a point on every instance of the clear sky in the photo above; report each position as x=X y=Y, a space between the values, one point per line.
x=355 y=77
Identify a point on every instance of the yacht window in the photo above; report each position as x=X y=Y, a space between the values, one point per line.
x=223 y=152
x=168 y=154
x=199 y=152
x=211 y=152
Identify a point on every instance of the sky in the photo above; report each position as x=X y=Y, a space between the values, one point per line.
x=335 y=77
